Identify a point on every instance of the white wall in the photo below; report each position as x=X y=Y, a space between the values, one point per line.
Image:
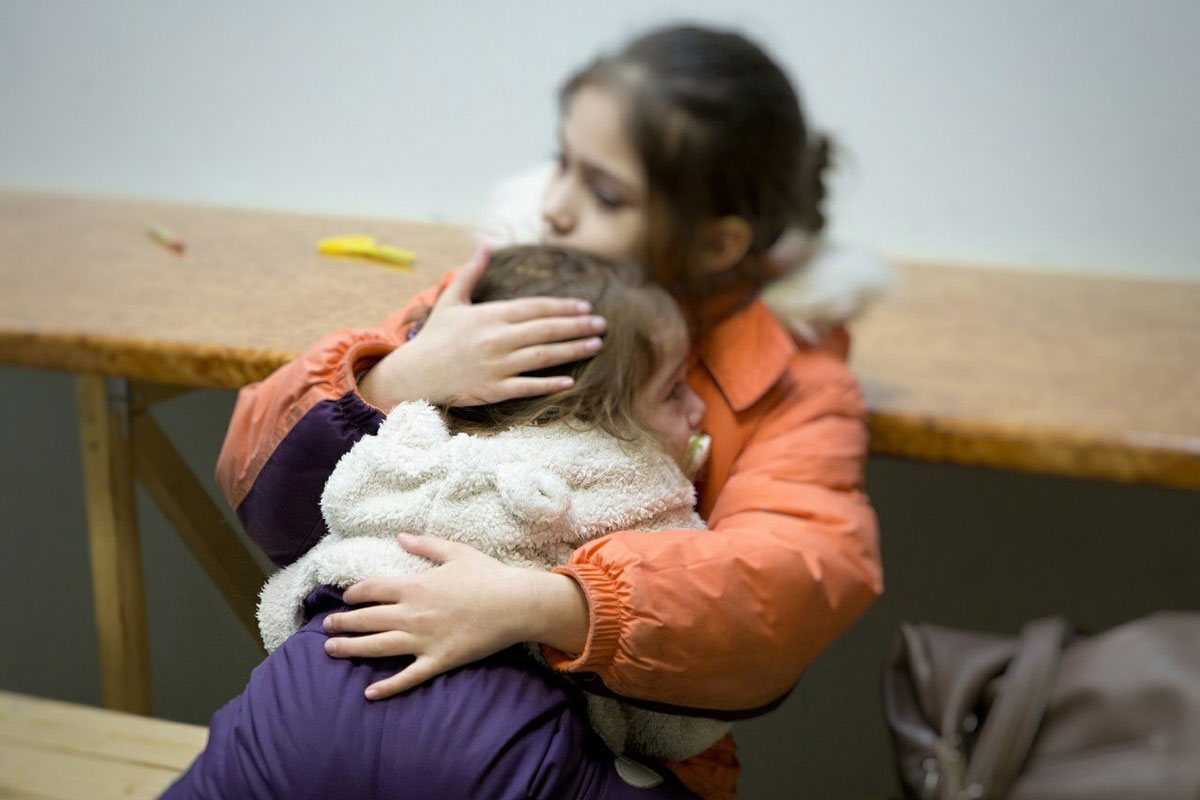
x=1031 y=132
x=1048 y=132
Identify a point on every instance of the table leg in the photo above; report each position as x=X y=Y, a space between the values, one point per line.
x=197 y=520
x=117 y=582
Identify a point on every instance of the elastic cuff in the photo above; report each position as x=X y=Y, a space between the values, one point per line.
x=604 y=614
x=359 y=357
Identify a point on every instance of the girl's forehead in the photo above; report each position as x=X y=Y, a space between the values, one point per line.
x=593 y=130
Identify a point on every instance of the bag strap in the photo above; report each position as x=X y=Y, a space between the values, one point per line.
x=1013 y=720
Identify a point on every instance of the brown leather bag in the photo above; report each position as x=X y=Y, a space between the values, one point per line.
x=1048 y=715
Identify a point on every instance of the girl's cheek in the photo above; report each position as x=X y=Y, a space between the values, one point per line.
x=615 y=233
x=630 y=243
x=609 y=240
x=636 y=236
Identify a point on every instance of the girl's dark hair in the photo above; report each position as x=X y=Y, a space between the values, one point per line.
x=720 y=132
x=606 y=384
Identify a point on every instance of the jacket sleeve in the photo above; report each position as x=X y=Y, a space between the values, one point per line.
x=727 y=619
x=289 y=430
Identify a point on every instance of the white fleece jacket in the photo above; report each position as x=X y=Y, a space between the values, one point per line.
x=527 y=496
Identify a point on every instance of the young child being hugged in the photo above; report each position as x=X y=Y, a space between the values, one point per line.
x=530 y=480
x=526 y=481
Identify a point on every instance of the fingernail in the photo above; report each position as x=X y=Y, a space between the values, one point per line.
x=592 y=344
x=566 y=383
x=372 y=693
x=583 y=306
x=599 y=323
x=330 y=646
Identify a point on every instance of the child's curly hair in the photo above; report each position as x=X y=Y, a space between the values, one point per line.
x=605 y=384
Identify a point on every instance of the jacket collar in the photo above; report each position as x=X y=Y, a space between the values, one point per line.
x=747 y=354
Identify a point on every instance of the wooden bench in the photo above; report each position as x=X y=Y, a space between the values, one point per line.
x=51 y=749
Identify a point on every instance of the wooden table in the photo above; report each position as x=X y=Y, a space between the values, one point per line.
x=1080 y=376
x=86 y=291
x=1066 y=375
x=64 y=751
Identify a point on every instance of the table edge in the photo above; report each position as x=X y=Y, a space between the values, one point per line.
x=1124 y=457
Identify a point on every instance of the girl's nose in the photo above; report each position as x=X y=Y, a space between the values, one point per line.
x=556 y=208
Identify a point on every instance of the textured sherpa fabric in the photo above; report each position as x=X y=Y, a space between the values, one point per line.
x=528 y=496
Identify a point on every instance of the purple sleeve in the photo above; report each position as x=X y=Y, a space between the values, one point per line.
x=282 y=511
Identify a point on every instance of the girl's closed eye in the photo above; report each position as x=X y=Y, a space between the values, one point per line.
x=607 y=196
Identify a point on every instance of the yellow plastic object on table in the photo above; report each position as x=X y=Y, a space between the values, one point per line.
x=362 y=246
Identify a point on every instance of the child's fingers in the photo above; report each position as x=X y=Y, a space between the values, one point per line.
x=523 y=309
x=420 y=671
x=550 y=355
x=552 y=329
x=377 y=645
x=373 y=619
x=511 y=388
x=374 y=590
x=434 y=548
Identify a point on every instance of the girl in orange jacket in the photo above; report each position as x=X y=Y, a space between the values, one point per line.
x=687 y=150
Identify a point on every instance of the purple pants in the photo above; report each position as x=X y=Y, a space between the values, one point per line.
x=500 y=728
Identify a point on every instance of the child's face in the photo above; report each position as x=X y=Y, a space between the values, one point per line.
x=596 y=200
x=666 y=404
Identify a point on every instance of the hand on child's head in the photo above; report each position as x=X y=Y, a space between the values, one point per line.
x=632 y=387
x=479 y=353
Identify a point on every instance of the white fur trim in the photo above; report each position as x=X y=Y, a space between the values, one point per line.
x=836 y=285
x=513 y=211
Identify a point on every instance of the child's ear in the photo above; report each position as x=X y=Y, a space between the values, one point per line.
x=723 y=243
